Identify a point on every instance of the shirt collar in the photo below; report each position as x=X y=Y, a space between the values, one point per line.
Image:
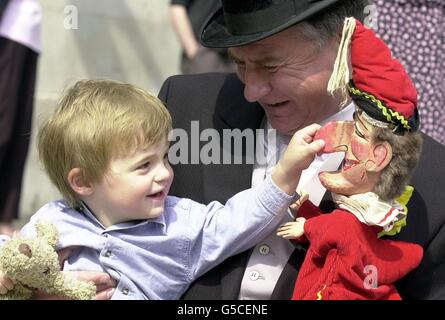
x=344 y=114
x=123 y=225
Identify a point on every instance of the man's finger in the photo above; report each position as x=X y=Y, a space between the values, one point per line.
x=3 y=289
x=64 y=254
x=42 y=295
x=98 y=278
x=105 y=294
x=8 y=283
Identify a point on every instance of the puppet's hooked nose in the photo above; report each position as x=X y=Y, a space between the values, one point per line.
x=336 y=135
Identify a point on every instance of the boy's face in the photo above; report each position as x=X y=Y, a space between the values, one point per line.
x=135 y=186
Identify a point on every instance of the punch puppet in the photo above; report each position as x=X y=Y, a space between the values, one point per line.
x=347 y=257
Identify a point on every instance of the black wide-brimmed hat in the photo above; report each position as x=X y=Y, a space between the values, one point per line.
x=240 y=22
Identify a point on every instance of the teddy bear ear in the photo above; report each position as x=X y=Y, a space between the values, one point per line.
x=48 y=232
x=25 y=249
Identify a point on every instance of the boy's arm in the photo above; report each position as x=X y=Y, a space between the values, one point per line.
x=219 y=231
x=251 y=215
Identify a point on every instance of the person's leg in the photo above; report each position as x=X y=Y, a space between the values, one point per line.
x=206 y=60
x=17 y=81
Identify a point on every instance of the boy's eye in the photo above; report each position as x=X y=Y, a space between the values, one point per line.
x=144 y=165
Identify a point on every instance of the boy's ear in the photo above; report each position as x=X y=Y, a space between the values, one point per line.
x=78 y=182
x=382 y=155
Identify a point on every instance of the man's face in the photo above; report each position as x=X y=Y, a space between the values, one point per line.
x=288 y=75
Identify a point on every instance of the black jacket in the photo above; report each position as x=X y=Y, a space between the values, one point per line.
x=217 y=101
x=3 y=4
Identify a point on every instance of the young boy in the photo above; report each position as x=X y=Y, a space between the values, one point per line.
x=105 y=148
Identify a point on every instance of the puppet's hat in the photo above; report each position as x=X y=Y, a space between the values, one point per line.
x=380 y=85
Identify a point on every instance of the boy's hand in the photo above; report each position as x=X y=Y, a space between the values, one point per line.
x=6 y=284
x=302 y=149
x=298 y=156
x=292 y=230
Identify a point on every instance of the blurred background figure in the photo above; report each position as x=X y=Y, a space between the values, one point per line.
x=19 y=49
x=187 y=17
x=415 y=32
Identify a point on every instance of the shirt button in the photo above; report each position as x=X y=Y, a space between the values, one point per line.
x=254 y=275
x=105 y=235
x=107 y=253
x=264 y=249
x=125 y=291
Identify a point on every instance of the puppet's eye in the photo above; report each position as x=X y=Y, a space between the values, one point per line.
x=46 y=271
x=357 y=132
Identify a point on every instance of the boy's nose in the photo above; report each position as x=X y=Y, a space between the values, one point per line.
x=163 y=173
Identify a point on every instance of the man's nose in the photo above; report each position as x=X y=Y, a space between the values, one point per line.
x=256 y=85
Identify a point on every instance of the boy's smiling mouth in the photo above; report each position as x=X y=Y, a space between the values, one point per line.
x=157 y=195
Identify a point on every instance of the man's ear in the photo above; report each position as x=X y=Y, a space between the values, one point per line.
x=78 y=182
x=382 y=155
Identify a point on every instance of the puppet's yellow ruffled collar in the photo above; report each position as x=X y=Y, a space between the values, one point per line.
x=371 y=210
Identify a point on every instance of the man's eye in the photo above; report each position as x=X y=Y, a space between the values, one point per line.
x=271 y=68
x=240 y=65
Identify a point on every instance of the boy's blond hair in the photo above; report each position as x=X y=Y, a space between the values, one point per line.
x=94 y=122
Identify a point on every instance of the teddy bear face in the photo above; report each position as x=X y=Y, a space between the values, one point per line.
x=33 y=263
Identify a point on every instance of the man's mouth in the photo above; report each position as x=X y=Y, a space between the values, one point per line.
x=276 y=105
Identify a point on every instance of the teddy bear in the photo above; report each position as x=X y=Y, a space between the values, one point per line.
x=34 y=264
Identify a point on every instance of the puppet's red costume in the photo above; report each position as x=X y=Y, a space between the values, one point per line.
x=341 y=250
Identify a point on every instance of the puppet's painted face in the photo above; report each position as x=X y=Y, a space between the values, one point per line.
x=363 y=161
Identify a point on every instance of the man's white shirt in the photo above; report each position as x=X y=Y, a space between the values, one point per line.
x=271 y=255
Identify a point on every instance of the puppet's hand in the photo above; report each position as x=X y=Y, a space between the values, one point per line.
x=297 y=204
x=291 y=230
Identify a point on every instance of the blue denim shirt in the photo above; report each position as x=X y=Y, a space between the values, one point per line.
x=159 y=258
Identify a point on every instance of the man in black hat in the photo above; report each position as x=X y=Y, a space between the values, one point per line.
x=285 y=51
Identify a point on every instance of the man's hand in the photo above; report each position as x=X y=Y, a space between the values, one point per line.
x=6 y=284
x=292 y=230
x=104 y=285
